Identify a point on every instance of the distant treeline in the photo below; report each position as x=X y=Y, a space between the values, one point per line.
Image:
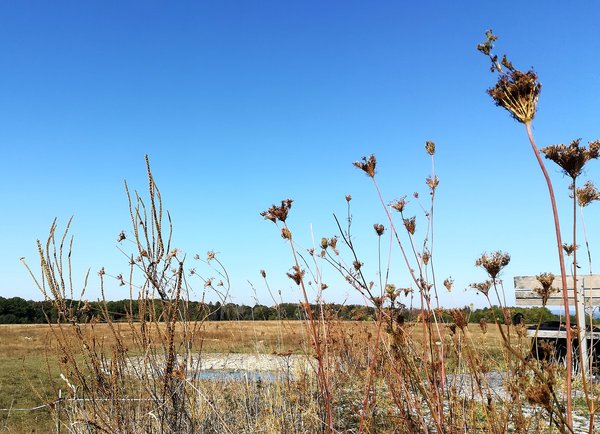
x=16 y=310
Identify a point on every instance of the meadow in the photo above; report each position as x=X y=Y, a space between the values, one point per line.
x=30 y=371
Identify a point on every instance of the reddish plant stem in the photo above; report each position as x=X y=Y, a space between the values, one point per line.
x=321 y=372
x=563 y=275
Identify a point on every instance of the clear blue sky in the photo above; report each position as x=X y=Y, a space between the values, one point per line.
x=241 y=104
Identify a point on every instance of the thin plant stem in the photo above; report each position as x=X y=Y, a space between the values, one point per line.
x=561 y=259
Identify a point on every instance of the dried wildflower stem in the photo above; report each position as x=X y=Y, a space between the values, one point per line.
x=424 y=301
x=321 y=374
x=561 y=259
x=581 y=328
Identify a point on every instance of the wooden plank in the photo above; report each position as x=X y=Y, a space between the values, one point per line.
x=530 y=282
x=555 y=334
x=527 y=294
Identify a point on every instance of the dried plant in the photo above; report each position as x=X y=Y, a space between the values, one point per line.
x=493 y=263
x=572 y=158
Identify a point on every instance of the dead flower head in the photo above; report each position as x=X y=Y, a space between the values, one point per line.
x=546 y=280
x=516 y=91
x=448 y=283
x=587 y=194
x=399 y=204
x=493 y=263
x=569 y=248
x=459 y=316
x=572 y=158
x=379 y=228
x=425 y=256
x=296 y=275
x=121 y=236
x=278 y=212
x=410 y=224
x=430 y=147
x=483 y=287
x=367 y=165
x=432 y=182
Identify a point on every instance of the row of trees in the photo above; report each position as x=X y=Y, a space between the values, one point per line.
x=16 y=310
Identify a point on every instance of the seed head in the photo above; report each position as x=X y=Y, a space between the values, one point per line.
x=569 y=248
x=516 y=91
x=286 y=234
x=367 y=165
x=410 y=224
x=379 y=228
x=296 y=275
x=430 y=147
x=399 y=204
x=572 y=158
x=432 y=182
x=121 y=236
x=278 y=212
x=448 y=283
x=357 y=265
x=546 y=280
x=483 y=287
x=348 y=198
x=493 y=263
x=263 y=273
x=587 y=194
x=425 y=256
x=459 y=316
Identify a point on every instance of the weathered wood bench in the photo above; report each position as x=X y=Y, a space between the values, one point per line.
x=588 y=296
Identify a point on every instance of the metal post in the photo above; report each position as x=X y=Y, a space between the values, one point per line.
x=585 y=365
x=58 y=402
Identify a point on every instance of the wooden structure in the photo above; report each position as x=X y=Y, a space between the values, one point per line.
x=588 y=295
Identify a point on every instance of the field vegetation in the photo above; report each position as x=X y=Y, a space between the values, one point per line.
x=404 y=371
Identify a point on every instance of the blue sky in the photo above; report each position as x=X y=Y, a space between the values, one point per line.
x=241 y=104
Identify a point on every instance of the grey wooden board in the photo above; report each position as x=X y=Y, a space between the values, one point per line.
x=530 y=282
x=554 y=334
x=525 y=296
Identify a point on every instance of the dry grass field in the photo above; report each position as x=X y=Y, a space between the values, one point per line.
x=29 y=372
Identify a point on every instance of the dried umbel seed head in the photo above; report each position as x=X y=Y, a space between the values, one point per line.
x=546 y=280
x=390 y=292
x=448 y=283
x=121 y=236
x=483 y=325
x=587 y=194
x=210 y=255
x=286 y=234
x=367 y=165
x=348 y=198
x=493 y=263
x=569 y=248
x=425 y=256
x=324 y=243
x=483 y=287
x=296 y=275
x=263 y=273
x=459 y=316
x=379 y=228
x=278 y=212
x=516 y=91
x=357 y=265
x=432 y=182
x=507 y=316
x=430 y=147
x=333 y=242
x=399 y=204
x=410 y=224
x=539 y=394
x=572 y=158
